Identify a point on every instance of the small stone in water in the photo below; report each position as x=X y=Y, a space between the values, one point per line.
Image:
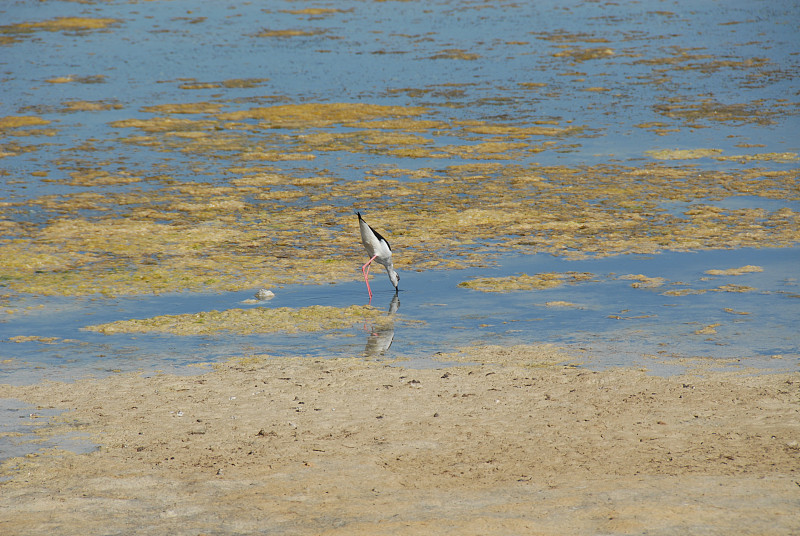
x=264 y=294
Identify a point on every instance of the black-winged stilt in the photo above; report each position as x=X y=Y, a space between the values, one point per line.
x=379 y=251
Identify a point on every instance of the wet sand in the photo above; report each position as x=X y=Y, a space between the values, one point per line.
x=510 y=442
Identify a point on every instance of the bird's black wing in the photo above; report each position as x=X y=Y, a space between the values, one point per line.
x=376 y=233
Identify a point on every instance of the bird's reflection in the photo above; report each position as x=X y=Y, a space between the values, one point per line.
x=381 y=333
x=394 y=305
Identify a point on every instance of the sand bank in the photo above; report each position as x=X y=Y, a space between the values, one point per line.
x=512 y=445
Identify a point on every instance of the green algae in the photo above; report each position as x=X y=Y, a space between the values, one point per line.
x=59 y=24
x=316 y=11
x=716 y=154
x=13 y=33
x=562 y=303
x=290 y=33
x=246 y=321
x=760 y=157
x=579 y=54
x=694 y=112
x=710 y=329
x=734 y=288
x=526 y=282
x=643 y=281
x=455 y=54
x=232 y=83
x=264 y=225
x=549 y=280
x=311 y=128
x=16 y=121
x=249 y=235
x=749 y=269
x=90 y=106
x=87 y=79
x=682 y=154
x=319 y=114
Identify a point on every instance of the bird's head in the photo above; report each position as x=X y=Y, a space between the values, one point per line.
x=393 y=277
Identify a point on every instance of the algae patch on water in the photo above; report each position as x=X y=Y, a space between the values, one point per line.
x=749 y=269
x=246 y=321
x=643 y=281
x=272 y=218
x=319 y=114
x=269 y=227
x=60 y=24
x=525 y=281
x=13 y=33
x=683 y=154
x=17 y=121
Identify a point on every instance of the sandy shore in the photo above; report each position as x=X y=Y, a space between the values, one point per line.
x=512 y=445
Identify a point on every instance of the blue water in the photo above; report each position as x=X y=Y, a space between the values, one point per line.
x=611 y=323
x=385 y=53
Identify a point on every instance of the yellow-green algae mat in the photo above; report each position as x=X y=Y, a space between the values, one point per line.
x=540 y=281
x=550 y=280
x=248 y=321
x=262 y=226
x=200 y=237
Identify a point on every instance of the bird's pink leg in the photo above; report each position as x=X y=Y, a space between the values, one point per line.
x=365 y=271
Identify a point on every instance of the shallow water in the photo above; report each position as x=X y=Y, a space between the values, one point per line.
x=606 y=320
x=502 y=63
x=572 y=86
x=528 y=62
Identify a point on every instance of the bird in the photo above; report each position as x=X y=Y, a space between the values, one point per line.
x=379 y=250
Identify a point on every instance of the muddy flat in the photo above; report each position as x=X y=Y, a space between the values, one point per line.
x=511 y=443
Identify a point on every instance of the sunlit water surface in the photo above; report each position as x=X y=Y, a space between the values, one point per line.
x=606 y=321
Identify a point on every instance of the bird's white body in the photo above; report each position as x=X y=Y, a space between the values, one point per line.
x=376 y=245
x=379 y=251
